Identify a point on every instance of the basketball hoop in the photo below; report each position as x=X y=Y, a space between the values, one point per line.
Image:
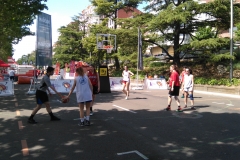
x=109 y=50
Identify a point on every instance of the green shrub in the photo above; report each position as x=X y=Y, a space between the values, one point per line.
x=213 y=81
x=156 y=64
x=236 y=66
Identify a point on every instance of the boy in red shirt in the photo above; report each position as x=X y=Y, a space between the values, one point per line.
x=174 y=85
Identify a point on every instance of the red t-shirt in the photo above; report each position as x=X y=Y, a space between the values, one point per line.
x=93 y=78
x=174 y=77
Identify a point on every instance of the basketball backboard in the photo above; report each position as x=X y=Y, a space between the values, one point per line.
x=106 y=41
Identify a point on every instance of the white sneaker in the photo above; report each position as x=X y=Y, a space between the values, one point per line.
x=126 y=98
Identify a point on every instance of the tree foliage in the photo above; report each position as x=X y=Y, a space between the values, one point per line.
x=190 y=27
x=15 y=17
x=69 y=45
x=28 y=58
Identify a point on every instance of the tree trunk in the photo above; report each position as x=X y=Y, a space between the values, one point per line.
x=117 y=63
x=176 y=59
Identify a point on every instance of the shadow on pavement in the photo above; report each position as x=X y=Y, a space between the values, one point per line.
x=156 y=134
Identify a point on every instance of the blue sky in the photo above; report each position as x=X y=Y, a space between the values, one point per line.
x=62 y=12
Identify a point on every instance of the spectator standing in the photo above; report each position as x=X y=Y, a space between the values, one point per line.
x=11 y=74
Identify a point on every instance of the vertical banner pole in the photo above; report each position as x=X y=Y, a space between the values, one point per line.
x=140 y=60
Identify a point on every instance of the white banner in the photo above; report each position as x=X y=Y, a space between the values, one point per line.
x=6 y=88
x=159 y=83
x=62 y=86
x=69 y=76
x=115 y=83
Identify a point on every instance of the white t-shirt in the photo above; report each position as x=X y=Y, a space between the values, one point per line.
x=126 y=76
x=188 y=83
x=11 y=73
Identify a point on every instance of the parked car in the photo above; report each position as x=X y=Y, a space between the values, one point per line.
x=160 y=56
x=163 y=57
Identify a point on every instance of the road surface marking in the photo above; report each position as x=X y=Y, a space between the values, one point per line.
x=138 y=153
x=124 y=109
x=229 y=104
x=217 y=103
x=25 y=150
x=20 y=125
x=17 y=112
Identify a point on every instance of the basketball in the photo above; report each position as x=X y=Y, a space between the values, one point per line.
x=65 y=100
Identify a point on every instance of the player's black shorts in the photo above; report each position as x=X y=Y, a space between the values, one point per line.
x=11 y=78
x=41 y=97
x=175 y=91
x=95 y=89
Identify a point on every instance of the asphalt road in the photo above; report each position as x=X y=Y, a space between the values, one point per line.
x=133 y=129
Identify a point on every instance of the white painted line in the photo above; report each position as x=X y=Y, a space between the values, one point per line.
x=124 y=109
x=217 y=103
x=138 y=153
x=229 y=104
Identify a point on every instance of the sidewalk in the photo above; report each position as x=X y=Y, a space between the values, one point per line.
x=218 y=94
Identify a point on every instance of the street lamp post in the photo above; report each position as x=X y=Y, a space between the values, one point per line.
x=231 y=41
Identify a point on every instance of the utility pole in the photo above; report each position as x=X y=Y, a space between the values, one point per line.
x=231 y=41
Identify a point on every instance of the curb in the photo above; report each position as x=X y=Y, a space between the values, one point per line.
x=218 y=94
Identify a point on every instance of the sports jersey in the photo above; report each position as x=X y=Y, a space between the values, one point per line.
x=83 y=91
x=93 y=78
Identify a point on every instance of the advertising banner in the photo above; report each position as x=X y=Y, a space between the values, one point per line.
x=44 y=40
x=159 y=83
x=115 y=83
x=6 y=88
x=62 y=86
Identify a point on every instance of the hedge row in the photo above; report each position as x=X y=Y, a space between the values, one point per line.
x=213 y=81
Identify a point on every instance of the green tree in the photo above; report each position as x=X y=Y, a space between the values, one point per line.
x=69 y=45
x=15 y=17
x=28 y=58
x=108 y=8
x=167 y=21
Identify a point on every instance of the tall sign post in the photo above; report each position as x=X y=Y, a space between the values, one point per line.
x=44 y=40
x=43 y=46
x=105 y=42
